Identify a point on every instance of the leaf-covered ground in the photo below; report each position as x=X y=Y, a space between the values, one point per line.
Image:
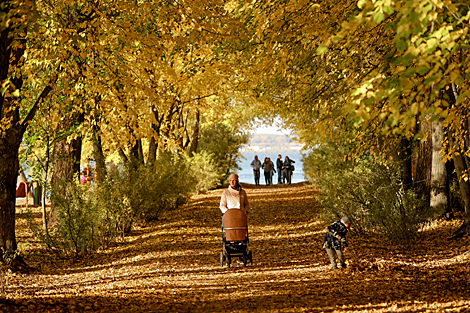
x=173 y=266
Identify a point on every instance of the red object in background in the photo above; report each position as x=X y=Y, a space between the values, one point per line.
x=23 y=190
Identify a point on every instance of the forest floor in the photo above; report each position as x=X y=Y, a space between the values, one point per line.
x=172 y=265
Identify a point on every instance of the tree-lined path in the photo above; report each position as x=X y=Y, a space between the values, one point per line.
x=172 y=265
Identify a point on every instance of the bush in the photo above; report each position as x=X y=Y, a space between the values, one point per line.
x=372 y=195
x=82 y=223
x=204 y=168
x=91 y=216
x=223 y=143
x=143 y=191
x=149 y=190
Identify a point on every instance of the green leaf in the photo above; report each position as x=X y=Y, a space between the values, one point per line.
x=321 y=50
x=459 y=81
x=461 y=97
x=379 y=17
x=401 y=45
x=427 y=8
x=389 y=10
x=369 y=101
x=429 y=79
x=409 y=72
x=16 y=93
x=413 y=17
x=422 y=70
x=357 y=122
x=433 y=118
x=391 y=84
x=407 y=59
x=419 y=136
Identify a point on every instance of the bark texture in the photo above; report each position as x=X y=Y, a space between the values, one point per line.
x=439 y=181
x=66 y=161
x=11 y=134
x=9 y=146
x=195 y=135
x=422 y=162
x=405 y=159
x=99 y=156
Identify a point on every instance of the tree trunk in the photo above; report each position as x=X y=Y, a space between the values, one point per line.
x=66 y=163
x=9 y=165
x=11 y=60
x=137 y=152
x=407 y=168
x=195 y=135
x=461 y=166
x=123 y=156
x=152 y=152
x=67 y=160
x=99 y=156
x=464 y=186
x=422 y=163
x=438 y=172
x=11 y=135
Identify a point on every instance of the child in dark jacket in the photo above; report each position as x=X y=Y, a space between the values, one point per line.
x=335 y=241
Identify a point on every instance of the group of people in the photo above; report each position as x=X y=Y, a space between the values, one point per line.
x=234 y=197
x=284 y=170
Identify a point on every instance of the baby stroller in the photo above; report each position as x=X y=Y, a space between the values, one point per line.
x=235 y=238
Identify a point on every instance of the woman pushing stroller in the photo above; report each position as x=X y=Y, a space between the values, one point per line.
x=234 y=197
x=234 y=207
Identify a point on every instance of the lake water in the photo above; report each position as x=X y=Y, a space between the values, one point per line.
x=246 y=172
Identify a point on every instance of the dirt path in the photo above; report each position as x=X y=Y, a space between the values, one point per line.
x=173 y=266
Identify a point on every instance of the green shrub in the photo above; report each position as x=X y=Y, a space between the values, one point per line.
x=82 y=224
x=204 y=168
x=372 y=195
x=223 y=142
x=150 y=190
x=144 y=191
x=91 y=216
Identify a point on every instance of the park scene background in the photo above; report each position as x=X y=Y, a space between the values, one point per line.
x=122 y=120
x=270 y=142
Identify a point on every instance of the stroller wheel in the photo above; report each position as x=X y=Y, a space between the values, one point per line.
x=222 y=259
x=229 y=260
x=245 y=259
x=250 y=256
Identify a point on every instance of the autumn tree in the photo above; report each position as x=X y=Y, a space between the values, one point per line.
x=372 y=68
x=127 y=73
x=16 y=17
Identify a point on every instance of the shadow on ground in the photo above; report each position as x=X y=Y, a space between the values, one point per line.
x=173 y=266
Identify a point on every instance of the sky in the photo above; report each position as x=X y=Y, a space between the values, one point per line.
x=266 y=129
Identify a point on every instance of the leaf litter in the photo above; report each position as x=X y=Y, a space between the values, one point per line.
x=172 y=265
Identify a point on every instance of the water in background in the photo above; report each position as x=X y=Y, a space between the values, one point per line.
x=246 y=172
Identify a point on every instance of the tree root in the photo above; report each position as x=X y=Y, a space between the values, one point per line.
x=18 y=265
x=461 y=231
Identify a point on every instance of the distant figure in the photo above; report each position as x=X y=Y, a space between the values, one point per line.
x=272 y=172
x=256 y=165
x=287 y=168
x=234 y=197
x=84 y=176
x=335 y=241
x=279 y=169
x=268 y=167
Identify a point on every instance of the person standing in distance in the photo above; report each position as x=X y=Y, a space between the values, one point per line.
x=279 y=169
x=256 y=165
x=268 y=167
x=288 y=168
x=271 y=172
